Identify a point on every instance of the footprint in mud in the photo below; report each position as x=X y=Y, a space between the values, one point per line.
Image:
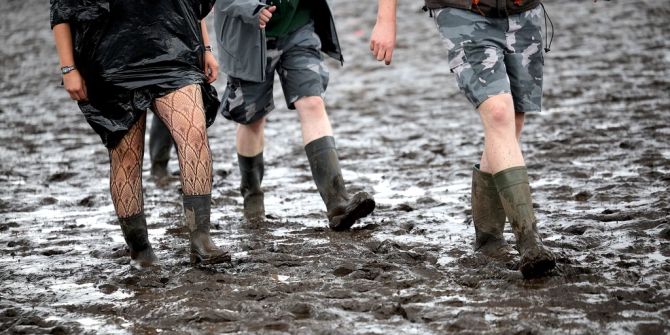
x=61 y=176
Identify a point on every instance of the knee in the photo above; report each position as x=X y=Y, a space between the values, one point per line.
x=310 y=105
x=254 y=127
x=498 y=113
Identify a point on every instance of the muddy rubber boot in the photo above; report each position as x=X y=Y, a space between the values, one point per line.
x=160 y=144
x=159 y=170
x=488 y=216
x=135 y=233
x=342 y=211
x=251 y=172
x=197 y=209
x=514 y=192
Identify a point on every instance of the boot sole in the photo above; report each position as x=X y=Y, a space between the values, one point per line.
x=360 y=206
x=199 y=259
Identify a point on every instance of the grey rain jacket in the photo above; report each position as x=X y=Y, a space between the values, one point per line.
x=242 y=44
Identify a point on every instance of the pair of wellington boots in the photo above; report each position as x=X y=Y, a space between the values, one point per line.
x=197 y=209
x=506 y=194
x=342 y=211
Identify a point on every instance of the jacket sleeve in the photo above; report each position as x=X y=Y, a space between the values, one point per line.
x=245 y=10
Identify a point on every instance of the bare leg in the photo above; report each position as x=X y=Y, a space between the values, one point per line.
x=250 y=138
x=313 y=118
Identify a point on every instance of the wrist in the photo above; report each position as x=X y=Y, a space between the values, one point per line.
x=208 y=48
x=67 y=69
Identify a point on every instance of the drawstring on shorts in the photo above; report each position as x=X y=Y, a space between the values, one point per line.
x=547 y=47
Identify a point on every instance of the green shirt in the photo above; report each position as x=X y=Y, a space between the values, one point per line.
x=289 y=16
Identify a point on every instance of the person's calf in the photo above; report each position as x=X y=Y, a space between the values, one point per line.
x=314 y=120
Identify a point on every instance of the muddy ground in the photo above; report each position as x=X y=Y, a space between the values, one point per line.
x=599 y=159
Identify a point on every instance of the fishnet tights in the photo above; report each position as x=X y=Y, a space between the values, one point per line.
x=183 y=113
x=125 y=177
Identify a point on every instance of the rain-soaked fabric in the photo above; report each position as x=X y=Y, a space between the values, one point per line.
x=131 y=52
x=492 y=56
x=302 y=73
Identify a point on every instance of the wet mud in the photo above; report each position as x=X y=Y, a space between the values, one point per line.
x=599 y=161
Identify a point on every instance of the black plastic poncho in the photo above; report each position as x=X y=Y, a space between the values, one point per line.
x=133 y=51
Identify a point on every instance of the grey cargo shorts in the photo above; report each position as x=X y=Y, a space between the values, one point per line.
x=492 y=56
x=302 y=72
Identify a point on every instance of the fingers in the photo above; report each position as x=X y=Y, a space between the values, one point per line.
x=388 y=57
x=212 y=73
x=266 y=15
x=381 y=52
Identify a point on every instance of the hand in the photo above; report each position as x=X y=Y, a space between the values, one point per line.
x=211 y=67
x=266 y=15
x=75 y=85
x=382 y=40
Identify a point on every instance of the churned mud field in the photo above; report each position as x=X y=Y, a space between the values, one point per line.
x=599 y=159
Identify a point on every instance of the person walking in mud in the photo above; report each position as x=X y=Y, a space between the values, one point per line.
x=256 y=39
x=120 y=58
x=495 y=50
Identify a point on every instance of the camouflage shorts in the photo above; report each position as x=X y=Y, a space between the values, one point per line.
x=302 y=72
x=491 y=56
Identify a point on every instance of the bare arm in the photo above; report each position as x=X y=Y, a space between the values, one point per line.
x=211 y=65
x=73 y=81
x=382 y=40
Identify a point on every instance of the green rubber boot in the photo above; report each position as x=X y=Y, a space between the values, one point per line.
x=251 y=172
x=197 y=209
x=514 y=191
x=135 y=233
x=342 y=211
x=488 y=216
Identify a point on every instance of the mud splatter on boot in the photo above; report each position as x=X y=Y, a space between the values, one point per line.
x=197 y=209
x=488 y=216
x=342 y=211
x=251 y=172
x=135 y=233
x=514 y=191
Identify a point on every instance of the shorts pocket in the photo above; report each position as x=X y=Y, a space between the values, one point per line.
x=457 y=60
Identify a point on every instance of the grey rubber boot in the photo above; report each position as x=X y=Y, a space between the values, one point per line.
x=342 y=211
x=251 y=172
x=515 y=196
x=160 y=144
x=135 y=233
x=488 y=216
x=197 y=209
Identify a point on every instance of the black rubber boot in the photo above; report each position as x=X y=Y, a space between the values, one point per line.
x=197 y=209
x=135 y=233
x=160 y=144
x=514 y=192
x=341 y=210
x=488 y=216
x=251 y=171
